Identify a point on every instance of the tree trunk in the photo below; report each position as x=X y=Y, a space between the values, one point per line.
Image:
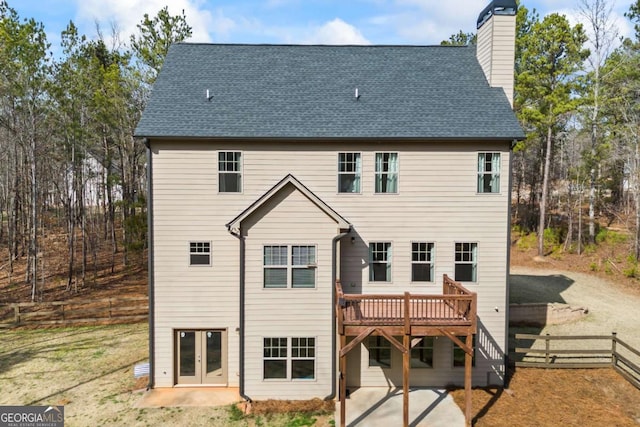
x=543 y=198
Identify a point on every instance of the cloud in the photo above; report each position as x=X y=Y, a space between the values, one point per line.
x=336 y=32
x=126 y=14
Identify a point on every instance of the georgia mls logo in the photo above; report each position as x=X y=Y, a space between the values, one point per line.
x=31 y=416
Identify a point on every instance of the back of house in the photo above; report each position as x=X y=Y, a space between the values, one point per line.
x=289 y=183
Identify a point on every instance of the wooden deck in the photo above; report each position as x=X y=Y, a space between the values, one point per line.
x=452 y=314
x=417 y=315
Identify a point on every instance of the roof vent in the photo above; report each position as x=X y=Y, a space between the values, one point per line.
x=209 y=97
x=357 y=95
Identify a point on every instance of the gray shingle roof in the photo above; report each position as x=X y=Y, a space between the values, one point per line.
x=285 y=91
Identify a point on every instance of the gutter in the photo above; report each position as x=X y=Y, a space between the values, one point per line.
x=334 y=246
x=150 y=261
x=242 y=313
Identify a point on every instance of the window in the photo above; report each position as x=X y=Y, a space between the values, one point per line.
x=488 y=172
x=229 y=172
x=349 y=171
x=303 y=354
x=466 y=262
x=422 y=352
x=386 y=173
x=300 y=365
x=380 y=262
x=275 y=358
x=199 y=253
x=422 y=262
x=295 y=271
x=303 y=263
x=379 y=352
x=275 y=267
x=459 y=354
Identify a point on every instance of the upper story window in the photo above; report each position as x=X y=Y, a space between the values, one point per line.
x=289 y=266
x=386 y=173
x=380 y=261
x=466 y=262
x=199 y=253
x=349 y=172
x=230 y=172
x=422 y=262
x=488 y=172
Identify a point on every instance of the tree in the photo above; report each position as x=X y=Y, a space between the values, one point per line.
x=460 y=39
x=597 y=14
x=155 y=36
x=552 y=54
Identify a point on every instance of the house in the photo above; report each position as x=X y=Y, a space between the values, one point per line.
x=328 y=217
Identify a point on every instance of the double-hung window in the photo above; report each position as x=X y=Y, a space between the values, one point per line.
x=349 y=172
x=488 y=172
x=379 y=351
x=422 y=352
x=459 y=354
x=230 y=172
x=386 y=178
x=422 y=262
x=380 y=262
x=199 y=253
x=289 y=266
x=466 y=262
x=289 y=358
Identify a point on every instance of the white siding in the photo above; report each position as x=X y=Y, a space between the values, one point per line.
x=436 y=202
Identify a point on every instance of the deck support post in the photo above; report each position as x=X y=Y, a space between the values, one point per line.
x=468 y=364
x=406 y=357
x=343 y=382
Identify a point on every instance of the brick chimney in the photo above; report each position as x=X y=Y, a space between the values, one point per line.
x=496 y=43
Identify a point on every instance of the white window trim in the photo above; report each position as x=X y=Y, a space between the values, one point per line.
x=210 y=253
x=375 y=173
x=338 y=173
x=474 y=263
x=241 y=172
x=389 y=262
x=499 y=173
x=290 y=267
x=289 y=360
x=432 y=262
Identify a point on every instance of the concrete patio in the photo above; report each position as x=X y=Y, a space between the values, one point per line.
x=381 y=406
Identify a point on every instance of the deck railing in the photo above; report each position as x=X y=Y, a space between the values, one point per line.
x=456 y=306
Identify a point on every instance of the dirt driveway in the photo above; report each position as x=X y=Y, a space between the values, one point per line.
x=611 y=308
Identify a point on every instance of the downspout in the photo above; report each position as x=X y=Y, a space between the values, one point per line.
x=150 y=261
x=242 y=312
x=334 y=250
x=508 y=268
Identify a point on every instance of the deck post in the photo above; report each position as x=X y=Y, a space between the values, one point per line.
x=343 y=382
x=468 y=365
x=406 y=357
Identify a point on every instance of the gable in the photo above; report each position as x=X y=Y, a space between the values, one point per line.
x=301 y=203
x=284 y=91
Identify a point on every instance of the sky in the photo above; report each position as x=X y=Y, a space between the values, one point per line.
x=412 y=22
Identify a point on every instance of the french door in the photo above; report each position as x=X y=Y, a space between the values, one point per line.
x=201 y=356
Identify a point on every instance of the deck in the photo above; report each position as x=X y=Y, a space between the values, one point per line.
x=417 y=315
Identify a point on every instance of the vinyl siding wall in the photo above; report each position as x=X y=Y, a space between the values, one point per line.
x=496 y=51
x=437 y=202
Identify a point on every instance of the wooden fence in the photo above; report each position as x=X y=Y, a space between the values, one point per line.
x=582 y=354
x=115 y=310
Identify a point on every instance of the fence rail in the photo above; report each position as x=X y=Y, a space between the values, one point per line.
x=131 y=309
x=619 y=355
